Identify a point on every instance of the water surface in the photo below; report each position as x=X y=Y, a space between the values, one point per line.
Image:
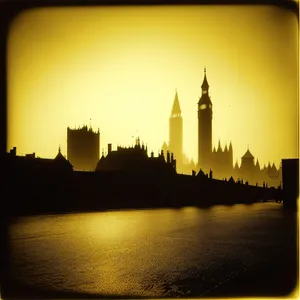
x=145 y=252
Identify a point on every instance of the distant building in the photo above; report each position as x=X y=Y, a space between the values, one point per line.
x=222 y=161
x=205 y=128
x=176 y=131
x=135 y=159
x=175 y=145
x=36 y=165
x=247 y=166
x=83 y=148
x=252 y=172
x=216 y=159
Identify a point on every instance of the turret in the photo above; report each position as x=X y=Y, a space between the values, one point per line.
x=109 y=148
x=236 y=166
x=165 y=147
x=274 y=169
x=230 y=155
x=137 y=142
x=192 y=164
x=162 y=155
x=257 y=165
x=174 y=164
x=219 y=147
x=168 y=157
x=247 y=160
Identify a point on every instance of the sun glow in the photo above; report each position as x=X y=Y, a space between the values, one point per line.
x=117 y=69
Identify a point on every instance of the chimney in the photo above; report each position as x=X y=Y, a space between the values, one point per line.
x=13 y=151
x=109 y=148
x=152 y=154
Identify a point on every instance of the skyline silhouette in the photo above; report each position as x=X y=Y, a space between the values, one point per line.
x=117 y=182
x=219 y=159
x=121 y=77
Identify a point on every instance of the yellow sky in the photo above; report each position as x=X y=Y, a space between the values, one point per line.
x=120 y=67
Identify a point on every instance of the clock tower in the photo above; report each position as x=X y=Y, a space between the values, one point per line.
x=204 y=128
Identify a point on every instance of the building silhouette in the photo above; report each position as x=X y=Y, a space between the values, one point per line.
x=32 y=165
x=217 y=161
x=135 y=159
x=175 y=145
x=83 y=148
x=124 y=178
x=61 y=163
x=176 y=131
x=222 y=161
x=251 y=171
x=205 y=128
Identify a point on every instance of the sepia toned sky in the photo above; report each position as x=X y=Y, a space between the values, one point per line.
x=117 y=69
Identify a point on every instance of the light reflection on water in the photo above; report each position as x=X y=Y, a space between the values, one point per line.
x=135 y=252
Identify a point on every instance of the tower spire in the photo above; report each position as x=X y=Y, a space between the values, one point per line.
x=236 y=166
x=257 y=164
x=205 y=84
x=219 y=146
x=176 y=111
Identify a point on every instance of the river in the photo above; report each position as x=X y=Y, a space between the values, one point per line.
x=148 y=252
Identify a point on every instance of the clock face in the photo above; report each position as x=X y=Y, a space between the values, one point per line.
x=204 y=92
x=203 y=106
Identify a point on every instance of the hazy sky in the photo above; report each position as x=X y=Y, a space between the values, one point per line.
x=120 y=67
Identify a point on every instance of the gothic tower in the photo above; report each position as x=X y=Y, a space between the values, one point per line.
x=204 y=127
x=175 y=131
